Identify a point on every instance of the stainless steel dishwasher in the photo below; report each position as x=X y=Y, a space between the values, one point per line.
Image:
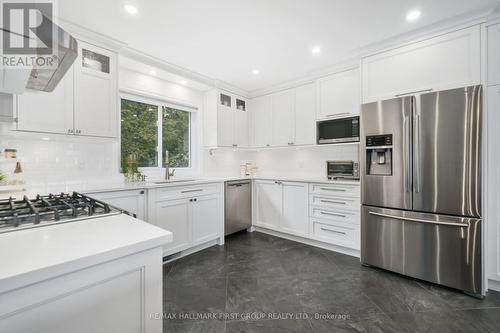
x=237 y=206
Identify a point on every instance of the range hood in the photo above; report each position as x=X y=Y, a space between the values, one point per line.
x=44 y=79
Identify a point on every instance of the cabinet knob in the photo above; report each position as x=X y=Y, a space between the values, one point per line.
x=141 y=192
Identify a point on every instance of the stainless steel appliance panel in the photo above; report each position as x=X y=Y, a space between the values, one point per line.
x=237 y=206
x=381 y=118
x=447 y=152
x=338 y=130
x=436 y=248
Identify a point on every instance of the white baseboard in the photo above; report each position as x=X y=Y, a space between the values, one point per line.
x=192 y=250
x=494 y=285
x=335 y=248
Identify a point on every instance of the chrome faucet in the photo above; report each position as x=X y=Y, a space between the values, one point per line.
x=168 y=173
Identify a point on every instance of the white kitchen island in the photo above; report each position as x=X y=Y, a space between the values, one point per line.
x=98 y=275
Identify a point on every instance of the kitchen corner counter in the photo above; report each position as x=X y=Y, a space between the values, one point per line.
x=112 y=186
x=43 y=253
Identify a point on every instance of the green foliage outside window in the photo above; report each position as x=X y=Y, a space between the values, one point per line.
x=139 y=135
x=176 y=137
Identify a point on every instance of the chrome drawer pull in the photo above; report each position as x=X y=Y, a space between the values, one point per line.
x=333 y=189
x=333 y=214
x=334 y=231
x=334 y=202
x=190 y=191
x=451 y=224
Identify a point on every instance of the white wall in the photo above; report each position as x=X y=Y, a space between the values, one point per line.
x=298 y=162
x=59 y=158
x=307 y=162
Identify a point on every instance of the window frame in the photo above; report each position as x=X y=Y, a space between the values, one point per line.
x=159 y=103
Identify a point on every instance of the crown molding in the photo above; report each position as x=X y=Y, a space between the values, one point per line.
x=80 y=32
x=429 y=31
x=488 y=15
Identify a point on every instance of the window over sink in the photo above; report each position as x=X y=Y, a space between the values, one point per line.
x=148 y=128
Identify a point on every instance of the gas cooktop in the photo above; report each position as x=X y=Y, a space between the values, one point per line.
x=45 y=210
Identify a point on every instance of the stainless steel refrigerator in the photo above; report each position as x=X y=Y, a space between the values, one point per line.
x=421 y=187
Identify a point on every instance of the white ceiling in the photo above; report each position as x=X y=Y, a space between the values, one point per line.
x=226 y=39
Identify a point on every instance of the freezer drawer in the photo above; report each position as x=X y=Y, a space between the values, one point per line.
x=436 y=248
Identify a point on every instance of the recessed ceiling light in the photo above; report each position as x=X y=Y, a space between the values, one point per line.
x=45 y=139
x=131 y=9
x=184 y=82
x=413 y=15
x=316 y=50
x=152 y=72
x=255 y=72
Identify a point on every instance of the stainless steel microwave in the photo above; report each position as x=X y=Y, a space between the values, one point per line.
x=338 y=130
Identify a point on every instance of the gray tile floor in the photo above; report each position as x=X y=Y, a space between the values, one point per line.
x=255 y=281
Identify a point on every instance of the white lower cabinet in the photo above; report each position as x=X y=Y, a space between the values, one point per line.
x=295 y=208
x=133 y=201
x=335 y=214
x=346 y=235
x=174 y=216
x=192 y=215
x=205 y=219
x=329 y=213
x=282 y=206
x=268 y=204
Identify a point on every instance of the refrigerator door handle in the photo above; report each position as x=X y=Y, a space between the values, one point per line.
x=407 y=152
x=417 y=161
x=451 y=224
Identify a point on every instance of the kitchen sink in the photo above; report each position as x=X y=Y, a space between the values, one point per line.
x=175 y=181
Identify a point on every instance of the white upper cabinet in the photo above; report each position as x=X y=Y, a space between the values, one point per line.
x=83 y=103
x=443 y=62
x=96 y=94
x=338 y=95
x=241 y=123
x=225 y=127
x=494 y=54
x=226 y=120
x=49 y=112
x=283 y=118
x=305 y=110
x=262 y=122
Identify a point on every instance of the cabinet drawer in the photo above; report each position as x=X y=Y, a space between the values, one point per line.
x=336 y=215
x=336 y=190
x=335 y=202
x=342 y=234
x=185 y=191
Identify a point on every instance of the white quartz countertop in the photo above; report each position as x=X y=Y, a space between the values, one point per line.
x=41 y=253
x=90 y=187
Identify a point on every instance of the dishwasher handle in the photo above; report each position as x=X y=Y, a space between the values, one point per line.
x=237 y=184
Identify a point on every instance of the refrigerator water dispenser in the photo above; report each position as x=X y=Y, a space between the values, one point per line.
x=379 y=155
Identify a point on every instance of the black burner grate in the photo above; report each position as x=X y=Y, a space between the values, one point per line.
x=49 y=208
